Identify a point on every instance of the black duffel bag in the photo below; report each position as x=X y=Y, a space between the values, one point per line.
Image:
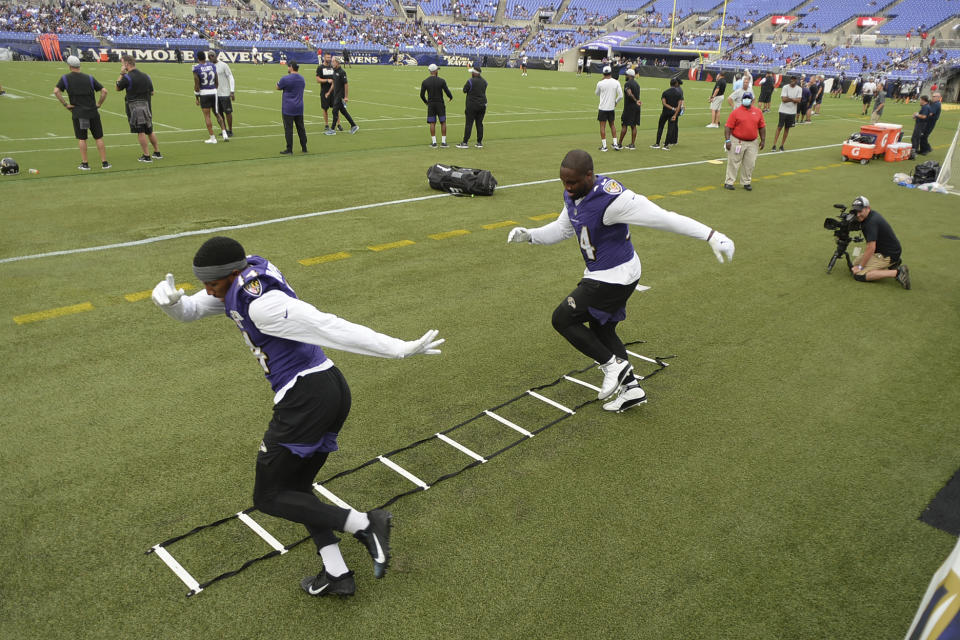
x=461 y=181
x=926 y=172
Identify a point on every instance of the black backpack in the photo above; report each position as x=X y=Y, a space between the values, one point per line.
x=926 y=172
x=461 y=181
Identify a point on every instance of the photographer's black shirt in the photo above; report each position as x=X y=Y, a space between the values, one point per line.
x=877 y=229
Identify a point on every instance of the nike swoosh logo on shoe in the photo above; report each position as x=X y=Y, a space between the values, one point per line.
x=381 y=557
x=316 y=592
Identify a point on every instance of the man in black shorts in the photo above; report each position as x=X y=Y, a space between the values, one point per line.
x=325 y=80
x=790 y=97
x=431 y=93
x=631 y=110
x=82 y=90
x=139 y=90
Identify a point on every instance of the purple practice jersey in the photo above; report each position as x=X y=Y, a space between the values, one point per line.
x=603 y=246
x=207 y=72
x=281 y=359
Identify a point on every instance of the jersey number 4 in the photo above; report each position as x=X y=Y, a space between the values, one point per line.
x=586 y=246
x=257 y=352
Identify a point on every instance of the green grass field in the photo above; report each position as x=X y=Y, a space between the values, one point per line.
x=769 y=489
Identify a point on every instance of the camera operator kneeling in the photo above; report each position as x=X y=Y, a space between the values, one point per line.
x=881 y=257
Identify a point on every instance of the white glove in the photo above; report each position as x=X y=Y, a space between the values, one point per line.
x=721 y=245
x=426 y=345
x=165 y=294
x=518 y=234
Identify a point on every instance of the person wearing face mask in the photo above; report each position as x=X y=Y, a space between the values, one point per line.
x=745 y=133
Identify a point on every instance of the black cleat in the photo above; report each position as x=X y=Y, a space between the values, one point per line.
x=376 y=538
x=323 y=584
x=286 y=152
x=144 y=159
x=158 y=155
x=728 y=187
x=748 y=187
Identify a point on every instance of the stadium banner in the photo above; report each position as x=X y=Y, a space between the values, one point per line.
x=780 y=20
x=868 y=22
x=938 y=616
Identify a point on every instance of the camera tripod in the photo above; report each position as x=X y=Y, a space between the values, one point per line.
x=843 y=241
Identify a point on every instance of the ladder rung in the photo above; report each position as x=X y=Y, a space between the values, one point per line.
x=503 y=420
x=178 y=569
x=260 y=531
x=637 y=355
x=552 y=402
x=406 y=474
x=582 y=383
x=456 y=445
x=326 y=493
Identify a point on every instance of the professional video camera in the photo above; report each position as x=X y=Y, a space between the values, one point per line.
x=842 y=225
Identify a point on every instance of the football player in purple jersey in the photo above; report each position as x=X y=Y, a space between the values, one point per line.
x=205 y=84
x=311 y=398
x=598 y=211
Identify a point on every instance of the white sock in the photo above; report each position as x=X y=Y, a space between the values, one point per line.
x=443 y=139
x=603 y=143
x=356 y=521
x=333 y=562
x=433 y=139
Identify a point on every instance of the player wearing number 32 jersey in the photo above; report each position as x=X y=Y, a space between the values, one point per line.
x=311 y=397
x=598 y=211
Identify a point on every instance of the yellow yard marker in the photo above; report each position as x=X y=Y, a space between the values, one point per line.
x=448 y=234
x=391 y=245
x=497 y=225
x=53 y=313
x=330 y=257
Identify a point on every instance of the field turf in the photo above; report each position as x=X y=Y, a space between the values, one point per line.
x=771 y=487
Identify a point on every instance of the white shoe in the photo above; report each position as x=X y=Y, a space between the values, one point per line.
x=226 y=136
x=713 y=126
x=211 y=140
x=629 y=396
x=613 y=376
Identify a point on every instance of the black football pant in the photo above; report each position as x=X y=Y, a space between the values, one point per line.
x=595 y=339
x=288 y=124
x=338 y=108
x=317 y=404
x=672 y=131
x=474 y=116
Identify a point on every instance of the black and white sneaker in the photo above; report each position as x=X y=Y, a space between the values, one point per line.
x=630 y=147
x=339 y=127
x=157 y=155
x=613 y=376
x=105 y=165
x=462 y=145
x=665 y=147
x=376 y=538
x=655 y=145
x=903 y=276
x=323 y=584
x=145 y=159
x=479 y=145
x=444 y=145
x=354 y=129
x=630 y=396
x=84 y=166
x=433 y=145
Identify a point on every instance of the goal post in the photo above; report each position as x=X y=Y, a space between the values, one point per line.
x=699 y=52
x=948 y=178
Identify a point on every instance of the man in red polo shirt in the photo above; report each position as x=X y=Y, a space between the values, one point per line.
x=745 y=133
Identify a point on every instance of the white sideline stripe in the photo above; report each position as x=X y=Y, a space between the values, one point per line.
x=637 y=355
x=456 y=445
x=326 y=493
x=260 y=531
x=406 y=474
x=178 y=569
x=503 y=420
x=549 y=401
x=582 y=383
x=303 y=216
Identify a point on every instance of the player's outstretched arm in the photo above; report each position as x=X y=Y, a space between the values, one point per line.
x=722 y=245
x=552 y=233
x=280 y=315
x=184 y=308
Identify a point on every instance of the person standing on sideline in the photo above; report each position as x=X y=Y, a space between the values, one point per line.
x=254 y=55
x=291 y=107
x=630 y=117
x=878 y=104
x=579 y=65
x=790 y=96
x=918 y=139
x=325 y=80
x=225 y=96
x=766 y=91
x=818 y=98
x=205 y=89
x=716 y=101
x=746 y=133
x=610 y=94
x=139 y=91
x=311 y=398
x=339 y=93
x=523 y=64
x=82 y=92
x=672 y=102
x=934 y=106
x=868 y=89
x=597 y=211
x=475 y=109
x=431 y=94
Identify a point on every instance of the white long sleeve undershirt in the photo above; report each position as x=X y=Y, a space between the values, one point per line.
x=628 y=208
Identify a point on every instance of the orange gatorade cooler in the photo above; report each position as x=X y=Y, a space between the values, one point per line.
x=897 y=152
x=886 y=134
x=858 y=151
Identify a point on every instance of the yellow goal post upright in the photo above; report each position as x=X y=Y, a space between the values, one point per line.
x=699 y=52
